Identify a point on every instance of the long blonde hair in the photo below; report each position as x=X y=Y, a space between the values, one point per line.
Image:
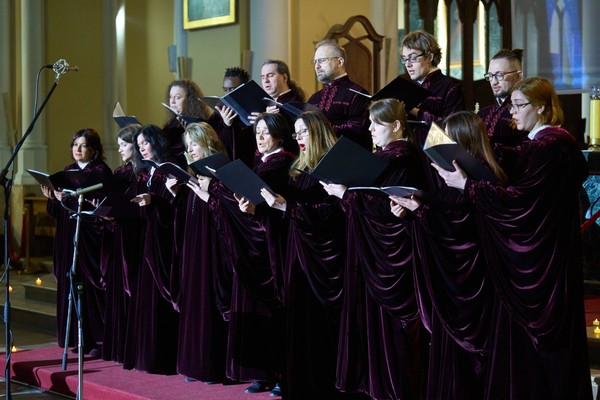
x=321 y=138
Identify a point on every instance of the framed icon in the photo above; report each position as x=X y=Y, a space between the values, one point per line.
x=208 y=13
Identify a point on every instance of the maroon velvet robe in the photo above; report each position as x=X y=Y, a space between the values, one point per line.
x=454 y=294
x=446 y=98
x=202 y=328
x=87 y=263
x=173 y=131
x=347 y=111
x=153 y=323
x=314 y=267
x=120 y=254
x=380 y=328
x=497 y=119
x=255 y=331
x=532 y=243
x=238 y=139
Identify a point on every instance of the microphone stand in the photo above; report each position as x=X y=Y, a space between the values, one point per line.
x=7 y=185
x=75 y=283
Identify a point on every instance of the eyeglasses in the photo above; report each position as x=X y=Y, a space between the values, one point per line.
x=411 y=59
x=300 y=134
x=498 y=75
x=518 y=107
x=323 y=60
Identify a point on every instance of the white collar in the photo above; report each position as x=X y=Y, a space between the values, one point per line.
x=531 y=135
x=264 y=156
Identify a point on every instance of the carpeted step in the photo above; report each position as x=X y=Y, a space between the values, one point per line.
x=41 y=367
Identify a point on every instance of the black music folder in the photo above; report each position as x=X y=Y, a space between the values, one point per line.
x=121 y=119
x=208 y=165
x=171 y=170
x=291 y=109
x=442 y=150
x=404 y=90
x=244 y=100
x=70 y=179
x=349 y=164
x=211 y=101
x=242 y=181
x=187 y=118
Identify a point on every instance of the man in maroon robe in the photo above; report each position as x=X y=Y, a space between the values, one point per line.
x=503 y=73
x=346 y=110
x=421 y=55
x=237 y=138
x=276 y=81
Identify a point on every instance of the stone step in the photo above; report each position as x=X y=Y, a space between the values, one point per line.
x=45 y=294
x=33 y=318
x=32 y=306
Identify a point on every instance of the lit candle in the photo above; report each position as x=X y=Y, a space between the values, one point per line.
x=14 y=348
x=38 y=282
x=596 y=322
x=597 y=330
x=10 y=289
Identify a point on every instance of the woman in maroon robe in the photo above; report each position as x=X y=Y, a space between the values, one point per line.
x=153 y=322
x=532 y=243
x=314 y=264
x=380 y=331
x=454 y=291
x=120 y=255
x=183 y=96
x=88 y=155
x=255 y=330
x=201 y=265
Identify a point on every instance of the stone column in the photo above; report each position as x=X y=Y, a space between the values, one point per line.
x=115 y=83
x=7 y=101
x=269 y=21
x=33 y=153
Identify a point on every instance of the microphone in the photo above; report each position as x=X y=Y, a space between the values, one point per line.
x=61 y=67
x=82 y=190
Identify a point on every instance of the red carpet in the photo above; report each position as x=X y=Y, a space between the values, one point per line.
x=108 y=380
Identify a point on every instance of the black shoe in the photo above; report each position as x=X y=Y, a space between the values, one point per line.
x=96 y=353
x=188 y=379
x=74 y=350
x=259 y=387
x=276 y=392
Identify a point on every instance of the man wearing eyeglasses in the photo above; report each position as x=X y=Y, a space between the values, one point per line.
x=504 y=72
x=346 y=110
x=421 y=55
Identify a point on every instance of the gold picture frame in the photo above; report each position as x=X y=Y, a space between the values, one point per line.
x=208 y=13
